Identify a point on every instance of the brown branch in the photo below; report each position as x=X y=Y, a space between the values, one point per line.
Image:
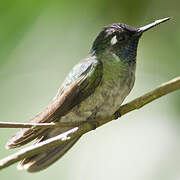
x=164 y=89
x=139 y=102
x=38 y=125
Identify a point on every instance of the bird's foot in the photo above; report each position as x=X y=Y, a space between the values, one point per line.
x=117 y=114
x=94 y=124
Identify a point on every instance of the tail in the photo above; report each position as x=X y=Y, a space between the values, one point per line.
x=23 y=137
x=42 y=160
x=45 y=159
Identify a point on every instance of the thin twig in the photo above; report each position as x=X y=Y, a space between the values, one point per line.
x=37 y=125
x=162 y=90
x=139 y=102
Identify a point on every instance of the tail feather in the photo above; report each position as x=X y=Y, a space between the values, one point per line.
x=43 y=160
x=23 y=136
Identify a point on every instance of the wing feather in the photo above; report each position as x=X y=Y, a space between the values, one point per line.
x=79 y=84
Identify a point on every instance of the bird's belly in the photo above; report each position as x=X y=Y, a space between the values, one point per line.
x=106 y=99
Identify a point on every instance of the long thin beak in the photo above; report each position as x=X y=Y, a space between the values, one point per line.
x=149 y=26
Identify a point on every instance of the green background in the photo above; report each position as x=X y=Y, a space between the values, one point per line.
x=41 y=40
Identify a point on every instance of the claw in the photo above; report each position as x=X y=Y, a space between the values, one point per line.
x=94 y=124
x=117 y=114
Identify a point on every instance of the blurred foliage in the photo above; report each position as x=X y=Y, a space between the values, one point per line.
x=41 y=40
x=16 y=17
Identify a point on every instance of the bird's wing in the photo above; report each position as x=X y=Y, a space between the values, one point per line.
x=79 y=84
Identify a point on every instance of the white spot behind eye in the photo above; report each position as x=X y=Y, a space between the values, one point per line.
x=114 y=40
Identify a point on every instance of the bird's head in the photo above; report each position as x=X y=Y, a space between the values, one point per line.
x=120 y=40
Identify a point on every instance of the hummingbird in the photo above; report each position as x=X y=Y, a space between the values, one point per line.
x=94 y=89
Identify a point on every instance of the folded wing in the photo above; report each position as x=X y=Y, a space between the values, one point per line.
x=79 y=84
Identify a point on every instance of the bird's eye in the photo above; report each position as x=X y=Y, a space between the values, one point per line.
x=121 y=37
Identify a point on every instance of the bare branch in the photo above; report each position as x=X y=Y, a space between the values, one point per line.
x=162 y=90
x=38 y=125
x=139 y=102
